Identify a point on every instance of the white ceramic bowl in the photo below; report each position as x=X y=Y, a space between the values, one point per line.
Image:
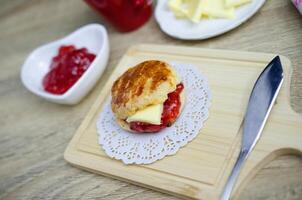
x=93 y=37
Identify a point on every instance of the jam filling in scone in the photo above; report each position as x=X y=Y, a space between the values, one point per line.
x=170 y=113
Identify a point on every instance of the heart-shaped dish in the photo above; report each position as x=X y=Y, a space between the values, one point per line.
x=93 y=37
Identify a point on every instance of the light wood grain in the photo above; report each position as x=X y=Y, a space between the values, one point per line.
x=200 y=169
x=34 y=133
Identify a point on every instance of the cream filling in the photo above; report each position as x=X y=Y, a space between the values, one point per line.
x=152 y=114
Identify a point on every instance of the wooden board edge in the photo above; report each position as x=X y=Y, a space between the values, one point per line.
x=182 y=190
x=71 y=148
x=228 y=54
x=270 y=157
x=71 y=152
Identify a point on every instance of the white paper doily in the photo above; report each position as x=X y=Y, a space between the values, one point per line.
x=134 y=148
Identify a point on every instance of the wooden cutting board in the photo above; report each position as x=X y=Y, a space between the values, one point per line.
x=200 y=169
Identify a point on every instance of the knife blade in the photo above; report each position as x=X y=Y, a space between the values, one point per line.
x=260 y=103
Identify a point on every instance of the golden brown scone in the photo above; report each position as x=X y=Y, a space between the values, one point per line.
x=145 y=84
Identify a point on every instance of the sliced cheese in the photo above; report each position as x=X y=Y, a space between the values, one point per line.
x=217 y=9
x=179 y=9
x=186 y=9
x=195 y=10
x=151 y=114
x=235 y=3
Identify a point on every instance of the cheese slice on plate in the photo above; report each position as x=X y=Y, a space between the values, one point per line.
x=195 y=10
x=186 y=9
x=151 y=114
x=235 y=3
x=217 y=9
x=179 y=9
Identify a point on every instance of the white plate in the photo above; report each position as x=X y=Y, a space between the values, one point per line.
x=94 y=37
x=206 y=28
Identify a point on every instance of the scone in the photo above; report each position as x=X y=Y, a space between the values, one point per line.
x=147 y=97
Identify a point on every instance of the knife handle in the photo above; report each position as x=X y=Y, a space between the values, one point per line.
x=234 y=174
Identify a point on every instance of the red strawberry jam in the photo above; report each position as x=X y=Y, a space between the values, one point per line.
x=170 y=112
x=66 y=68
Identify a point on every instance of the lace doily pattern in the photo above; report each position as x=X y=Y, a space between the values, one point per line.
x=132 y=148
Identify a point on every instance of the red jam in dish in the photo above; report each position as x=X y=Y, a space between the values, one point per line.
x=170 y=112
x=66 y=68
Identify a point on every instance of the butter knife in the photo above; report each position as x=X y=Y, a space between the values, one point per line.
x=260 y=104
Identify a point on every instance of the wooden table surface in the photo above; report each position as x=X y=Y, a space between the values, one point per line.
x=34 y=133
